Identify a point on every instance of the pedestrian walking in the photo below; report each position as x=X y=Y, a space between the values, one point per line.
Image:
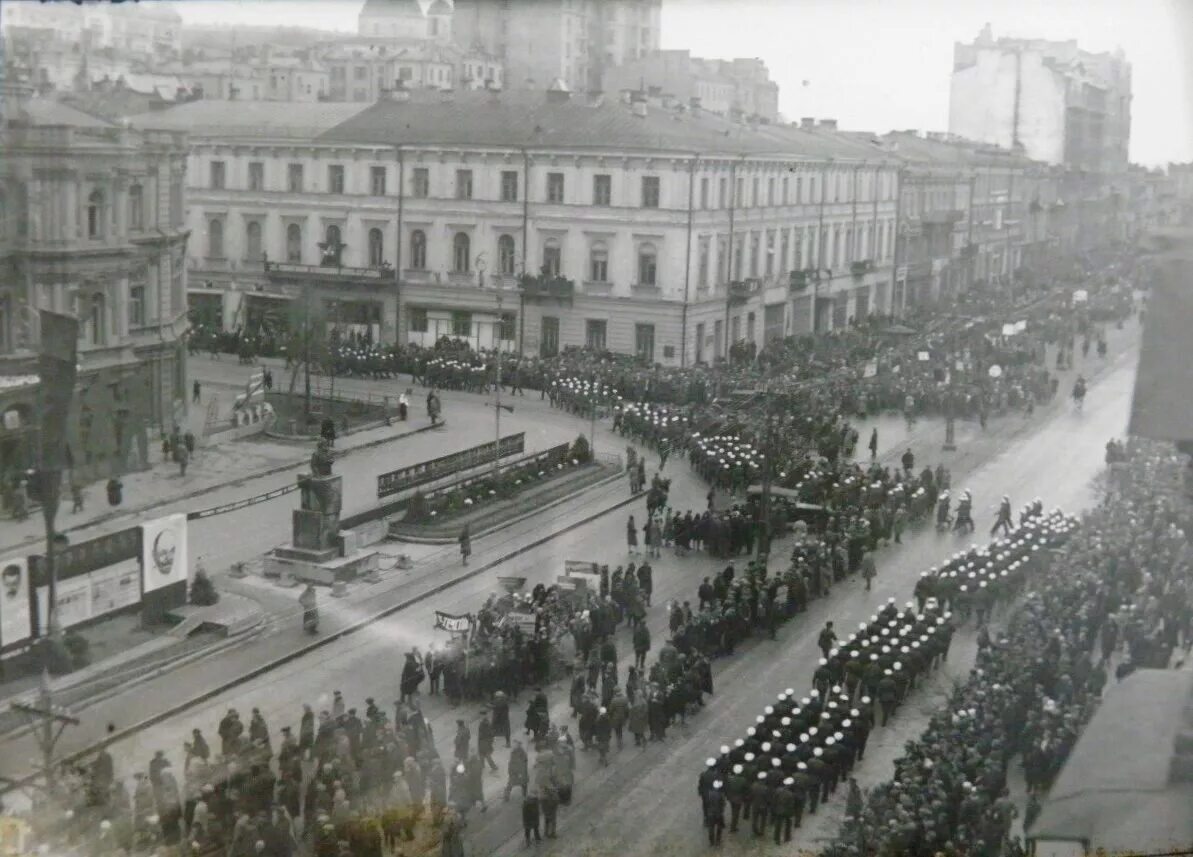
x=517 y=770
x=465 y=544
x=484 y=740
x=196 y=391
x=631 y=535
x=714 y=813
x=531 y=818
x=873 y=444
x=827 y=639
x=76 y=496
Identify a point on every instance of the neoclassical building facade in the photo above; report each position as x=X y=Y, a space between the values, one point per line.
x=92 y=225
x=414 y=218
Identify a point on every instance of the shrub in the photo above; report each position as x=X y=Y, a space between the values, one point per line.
x=78 y=648
x=581 y=451
x=417 y=509
x=203 y=592
x=56 y=656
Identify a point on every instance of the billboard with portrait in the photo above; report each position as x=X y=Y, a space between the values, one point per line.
x=15 y=624
x=164 y=558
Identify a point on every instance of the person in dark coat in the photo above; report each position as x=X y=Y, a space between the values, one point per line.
x=518 y=770
x=465 y=544
x=484 y=741
x=530 y=818
x=631 y=535
x=714 y=813
x=412 y=677
x=501 y=717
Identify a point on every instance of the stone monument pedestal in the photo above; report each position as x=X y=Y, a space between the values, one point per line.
x=319 y=553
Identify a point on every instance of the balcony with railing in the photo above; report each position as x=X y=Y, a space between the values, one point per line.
x=298 y=272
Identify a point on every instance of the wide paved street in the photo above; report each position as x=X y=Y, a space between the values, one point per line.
x=644 y=798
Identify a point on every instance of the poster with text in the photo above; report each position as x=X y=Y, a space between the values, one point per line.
x=15 y=626
x=164 y=558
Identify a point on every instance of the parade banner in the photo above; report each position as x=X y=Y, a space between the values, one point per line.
x=454 y=624
x=525 y=621
x=164 y=559
x=15 y=624
x=428 y=471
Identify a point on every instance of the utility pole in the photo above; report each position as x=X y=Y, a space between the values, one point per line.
x=592 y=423
x=306 y=355
x=497 y=410
x=43 y=717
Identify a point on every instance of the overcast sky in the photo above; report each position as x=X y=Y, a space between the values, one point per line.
x=878 y=65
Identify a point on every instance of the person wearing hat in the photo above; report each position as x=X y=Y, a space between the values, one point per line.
x=713 y=804
x=888 y=694
x=819 y=771
x=484 y=740
x=761 y=797
x=736 y=792
x=827 y=639
x=783 y=808
x=1003 y=519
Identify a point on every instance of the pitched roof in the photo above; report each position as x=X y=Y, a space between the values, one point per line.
x=531 y=119
x=46 y=111
x=384 y=8
x=261 y=120
x=1114 y=790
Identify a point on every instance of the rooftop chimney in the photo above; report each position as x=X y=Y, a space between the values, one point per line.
x=828 y=124
x=558 y=92
x=807 y=122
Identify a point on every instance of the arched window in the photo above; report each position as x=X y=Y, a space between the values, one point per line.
x=252 y=241
x=215 y=239
x=552 y=257
x=332 y=246
x=647 y=265
x=506 y=259
x=95 y=215
x=136 y=208
x=96 y=327
x=461 y=253
x=376 y=248
x=333 y=236
x=418 y=250
x=598 y=262
x=293 y=243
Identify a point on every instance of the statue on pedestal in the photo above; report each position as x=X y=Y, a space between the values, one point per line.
x=321 y=459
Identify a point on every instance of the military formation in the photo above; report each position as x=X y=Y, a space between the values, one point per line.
x=799 y=751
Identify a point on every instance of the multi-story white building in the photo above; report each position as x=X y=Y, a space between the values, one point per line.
x=570 y=40
x=1059 y=105
x=92 y=225
x=1062 y=105
x=677 y=233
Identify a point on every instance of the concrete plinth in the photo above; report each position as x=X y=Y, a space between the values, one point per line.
x=328 y=573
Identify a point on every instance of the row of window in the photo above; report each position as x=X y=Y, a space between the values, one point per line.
x=596 y=332
x=776 y=251
x=461 y=324
x=777 y=191
x=461 y=260
x=770 y=252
